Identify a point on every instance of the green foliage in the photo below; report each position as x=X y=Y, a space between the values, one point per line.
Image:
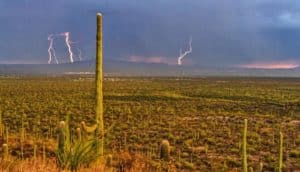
x=81 y=153
x=78 y=153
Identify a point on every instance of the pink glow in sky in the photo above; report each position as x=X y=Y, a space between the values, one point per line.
x=155 y=59
x=272 y=65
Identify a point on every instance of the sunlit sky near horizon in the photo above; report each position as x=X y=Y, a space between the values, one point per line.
x=241 y=33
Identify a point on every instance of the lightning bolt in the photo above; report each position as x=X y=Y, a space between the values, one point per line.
x=182 y=55
x=68 y=43
x=79 y=54
x=50 y=39
x=51 y=50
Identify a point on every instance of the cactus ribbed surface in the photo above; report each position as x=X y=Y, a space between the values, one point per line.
x=61 y=137
x=88 y=129
x=78 y=133
x=165 y=150
x=245 y=166
x=99 y=91
x=280 y=151
x=34 y=152
x=1 y=125
x=22 y=138
x=6 y=134
x=5 y=149
x=67 y=133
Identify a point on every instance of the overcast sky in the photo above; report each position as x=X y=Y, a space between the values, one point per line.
x=246 y=33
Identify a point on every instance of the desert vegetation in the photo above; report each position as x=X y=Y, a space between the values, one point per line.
x=202 y=119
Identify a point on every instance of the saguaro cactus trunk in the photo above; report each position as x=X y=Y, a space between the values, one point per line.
x=245 y=166
x=280 y=152
x=99 y=133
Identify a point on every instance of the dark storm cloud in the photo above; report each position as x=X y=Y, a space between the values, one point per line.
x=224 y=33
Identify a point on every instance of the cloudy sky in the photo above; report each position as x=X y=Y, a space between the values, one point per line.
x=244 y=33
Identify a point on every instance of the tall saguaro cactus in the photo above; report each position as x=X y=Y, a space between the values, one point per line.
x=280 y=152
x=99 y=133
x=245 y=166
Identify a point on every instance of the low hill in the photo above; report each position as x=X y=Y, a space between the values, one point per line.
x=123 y=68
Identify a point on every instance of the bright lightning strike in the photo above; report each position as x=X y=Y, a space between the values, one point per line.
x=51 y=49
x=68 y=43
x=181 y=56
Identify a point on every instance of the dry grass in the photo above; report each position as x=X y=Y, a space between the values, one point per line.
x=28 y=165
x=122 y=161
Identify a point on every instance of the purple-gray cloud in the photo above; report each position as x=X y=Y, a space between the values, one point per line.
x=225 y=33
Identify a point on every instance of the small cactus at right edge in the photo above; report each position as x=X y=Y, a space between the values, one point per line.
x=165 y=150
x=280 y=152
x=5 y=149
x=245 y=166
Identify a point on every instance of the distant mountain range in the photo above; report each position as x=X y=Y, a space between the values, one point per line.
x=123 y=68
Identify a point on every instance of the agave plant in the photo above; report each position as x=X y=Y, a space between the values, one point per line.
x=80 y=154
x=77 y=153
